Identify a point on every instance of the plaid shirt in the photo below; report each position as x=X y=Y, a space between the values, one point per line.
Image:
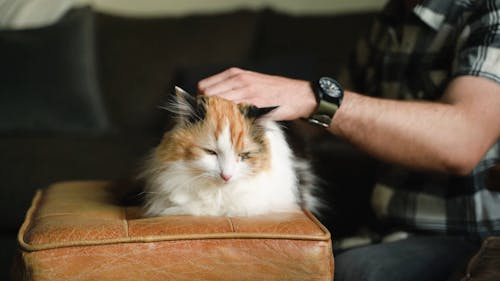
x=414 y=55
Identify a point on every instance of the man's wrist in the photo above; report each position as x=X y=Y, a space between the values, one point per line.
x=310 y=103
x=329 y=94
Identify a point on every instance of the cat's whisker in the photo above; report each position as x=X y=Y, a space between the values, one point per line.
x=162 y=107
x=149 y=192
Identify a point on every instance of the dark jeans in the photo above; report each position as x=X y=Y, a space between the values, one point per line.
x=428 y=258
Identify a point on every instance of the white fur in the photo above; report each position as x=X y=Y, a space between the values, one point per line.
x=173 y=188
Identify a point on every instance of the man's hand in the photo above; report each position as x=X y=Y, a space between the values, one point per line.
x=294 y=97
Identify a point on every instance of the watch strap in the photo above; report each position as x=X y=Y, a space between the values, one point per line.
x=323 y=114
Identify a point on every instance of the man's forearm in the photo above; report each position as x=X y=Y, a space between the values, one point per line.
x=423 y=135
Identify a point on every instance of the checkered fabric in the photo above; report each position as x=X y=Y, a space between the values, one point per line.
x=414 y=55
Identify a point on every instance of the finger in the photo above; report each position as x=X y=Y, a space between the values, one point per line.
x=236 y=96
x=217 y=78
x=233 y=84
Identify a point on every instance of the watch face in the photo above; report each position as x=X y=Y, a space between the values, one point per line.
x=330 y=87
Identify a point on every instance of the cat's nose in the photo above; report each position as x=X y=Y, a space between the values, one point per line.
x=225 y=177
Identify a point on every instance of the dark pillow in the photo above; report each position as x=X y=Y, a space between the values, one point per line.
x=48 y=78
x=138 y=57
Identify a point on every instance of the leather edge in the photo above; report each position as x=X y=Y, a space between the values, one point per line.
x=27 y=220
x=157 y=238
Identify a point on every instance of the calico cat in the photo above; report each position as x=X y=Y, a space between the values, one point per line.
x=224 y=159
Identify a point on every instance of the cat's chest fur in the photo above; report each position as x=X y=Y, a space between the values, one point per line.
x=222 y=160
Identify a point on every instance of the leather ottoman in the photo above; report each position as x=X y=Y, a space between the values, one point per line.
x=75 y=231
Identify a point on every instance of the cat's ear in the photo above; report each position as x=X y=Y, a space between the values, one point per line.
x=187 y=107
x=254 y=112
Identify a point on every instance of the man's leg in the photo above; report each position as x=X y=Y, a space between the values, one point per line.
x=415 y=258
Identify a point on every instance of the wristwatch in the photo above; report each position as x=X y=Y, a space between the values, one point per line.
x=329 y=96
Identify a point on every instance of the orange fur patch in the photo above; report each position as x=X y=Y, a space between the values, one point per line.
x=184 y=142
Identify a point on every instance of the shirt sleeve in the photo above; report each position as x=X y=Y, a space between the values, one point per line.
x=478 y=48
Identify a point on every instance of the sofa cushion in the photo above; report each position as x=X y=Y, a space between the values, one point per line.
x=75 y=231
x=48 y=78
x=298 y=67
x=326 y=38
x=138 y=58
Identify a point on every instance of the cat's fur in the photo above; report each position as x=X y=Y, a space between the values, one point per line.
x=224 y=159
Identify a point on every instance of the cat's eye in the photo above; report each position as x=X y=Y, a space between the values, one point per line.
x=209 y=151
x=244 y=155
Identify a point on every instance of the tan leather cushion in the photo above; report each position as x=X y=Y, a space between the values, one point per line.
x=74 y=231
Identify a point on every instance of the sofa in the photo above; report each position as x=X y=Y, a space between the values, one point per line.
x=79 y=98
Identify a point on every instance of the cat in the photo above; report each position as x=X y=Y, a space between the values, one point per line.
x=224 y=159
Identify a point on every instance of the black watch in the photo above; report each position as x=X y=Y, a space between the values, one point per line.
x=329 y=96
